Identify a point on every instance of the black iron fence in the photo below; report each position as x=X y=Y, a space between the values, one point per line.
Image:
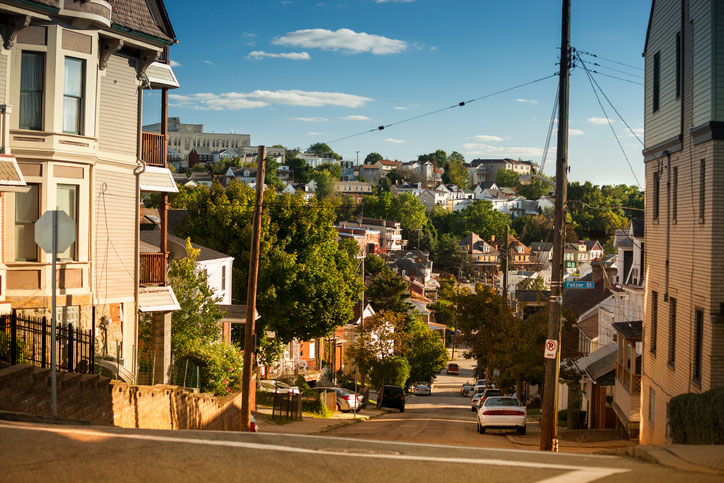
x=27 y=340
x=287 y=406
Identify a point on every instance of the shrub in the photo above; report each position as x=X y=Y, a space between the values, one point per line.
x=5 y=343
x=221 y=366
x=697 y=418
x=316 y=406
x=301 y=383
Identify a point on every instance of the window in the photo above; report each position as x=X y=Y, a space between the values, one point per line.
x=73 y=95
x=67 y=200
x=657 y=189
x=27 y=211
x=678 y=64
x=672 y=330
x=702 y=192
x=675 y=196
x=657 y=80
x=654 y=319
x=32 y=79
x=652 y=404
x=223 y=277
x=698 y=342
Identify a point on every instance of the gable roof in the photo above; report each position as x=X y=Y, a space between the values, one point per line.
x=580 y=300
x=589 y=326
x=637 y=226
x=632 y=330
x=137 y=16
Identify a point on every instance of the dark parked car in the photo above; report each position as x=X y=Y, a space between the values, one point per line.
x=394 y=397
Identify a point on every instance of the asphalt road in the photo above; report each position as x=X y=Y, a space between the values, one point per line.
x=441 y=418
x=39 y=452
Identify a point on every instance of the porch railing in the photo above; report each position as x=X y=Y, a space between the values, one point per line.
x=152 y=269
x=154 y=149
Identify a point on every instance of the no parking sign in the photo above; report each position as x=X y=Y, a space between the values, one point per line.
x=551 y=349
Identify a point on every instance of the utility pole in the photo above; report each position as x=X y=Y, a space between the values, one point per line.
x=249 y=332
x=506 y=259
x=549 y=421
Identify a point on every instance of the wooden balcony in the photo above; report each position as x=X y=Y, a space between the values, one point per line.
x=154 y=148
x=152 y=269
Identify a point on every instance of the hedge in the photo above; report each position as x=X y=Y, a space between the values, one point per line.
x=697 y=418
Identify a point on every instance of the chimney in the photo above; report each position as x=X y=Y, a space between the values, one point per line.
x=599 y=272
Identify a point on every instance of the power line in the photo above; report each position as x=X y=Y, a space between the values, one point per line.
x=605 y=114
x=436 y=111
x=550 y=131
x=608 y=60
x=614 y=77
x=618 y=70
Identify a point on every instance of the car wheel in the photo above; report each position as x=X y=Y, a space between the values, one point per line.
x=402 y=409
x=472 y=409
x=521 y=430
x=339 y=408
x=479 y=427
x=481 y=430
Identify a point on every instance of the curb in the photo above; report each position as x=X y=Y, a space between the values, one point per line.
x=661 y=456
x=347 y=422
x=34 y=418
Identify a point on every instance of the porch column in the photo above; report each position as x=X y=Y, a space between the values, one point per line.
x=161 y=335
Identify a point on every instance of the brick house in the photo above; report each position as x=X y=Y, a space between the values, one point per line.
x=683 y=324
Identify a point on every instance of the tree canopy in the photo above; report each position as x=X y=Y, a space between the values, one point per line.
x=373 y=157
x=323 y=151
x=307 y=285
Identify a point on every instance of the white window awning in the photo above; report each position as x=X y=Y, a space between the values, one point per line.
x=158 y=180
x=11 y=179
x=157 y=299
x=161 y=76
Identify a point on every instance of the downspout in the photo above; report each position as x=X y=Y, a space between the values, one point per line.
x=140 y=168
x=668 y=220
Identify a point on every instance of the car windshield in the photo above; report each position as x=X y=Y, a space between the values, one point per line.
x=502 y=401
x=492 y=392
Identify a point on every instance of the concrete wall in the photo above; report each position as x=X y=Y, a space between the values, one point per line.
x=97 y=399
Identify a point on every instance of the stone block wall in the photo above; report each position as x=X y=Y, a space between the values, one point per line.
x=89 y=397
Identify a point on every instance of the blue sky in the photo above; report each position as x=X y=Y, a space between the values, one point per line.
x=297 y=72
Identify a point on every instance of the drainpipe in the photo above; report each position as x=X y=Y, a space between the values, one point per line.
x=140 y=168
x=668 y=220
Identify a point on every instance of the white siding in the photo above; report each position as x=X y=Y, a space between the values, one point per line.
x=718 y=88
x=118 y=123
x=666 y=122
x=3 y=77
x=115 y=237
x=700 y=16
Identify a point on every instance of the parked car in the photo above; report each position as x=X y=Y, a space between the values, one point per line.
x=501 y=412
x=422 y=389
x=393 y=397
x=467 y=389
x=490 y=393
x=475 y=401
x=346 y=399
x=453 y=368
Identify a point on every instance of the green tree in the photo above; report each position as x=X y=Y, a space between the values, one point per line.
x=506 y=178
x=373 y=157
x=455 y=171
x=438 y=158
x=270 y=173
x=323 y=151
x=307 y=283
x=334 y=170
x=388 y=292
x=483 y=219
x=374 y=264
x=409 y=211
x=302 y=171
x=427 y=355
x=325 y=184
x=533 y=228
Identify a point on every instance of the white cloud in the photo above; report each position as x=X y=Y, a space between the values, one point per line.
x=175 y=64
x=571 y=131
x=434 y=48
x=356 y=118
x=393 y=140
x=599 y=120
x=207 y=62
x=530 y=101
x=480 y=149
x=309 y=119
x=249 y=34
x=342 y=39
x=315 y=133
x=261 y=98
x=260 y=54
x=486 y=139
x=400 y=108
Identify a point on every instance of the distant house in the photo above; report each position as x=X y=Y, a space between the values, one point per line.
x=371 y=173
x=484 y=258
x=358 y=189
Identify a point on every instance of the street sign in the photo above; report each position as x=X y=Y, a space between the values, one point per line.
x=44 y=231
x=579 y=285
x=551 y=349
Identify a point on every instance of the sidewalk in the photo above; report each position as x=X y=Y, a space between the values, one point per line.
x=707 y=459
x=310 y=424
x=531 y=440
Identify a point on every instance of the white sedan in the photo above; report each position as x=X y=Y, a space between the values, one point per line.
x=501 y=412
x=422 y=389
